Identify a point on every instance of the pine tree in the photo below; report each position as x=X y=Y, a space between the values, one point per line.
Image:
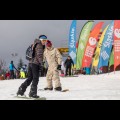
x=20 y=64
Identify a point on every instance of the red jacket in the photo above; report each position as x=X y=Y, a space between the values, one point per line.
x=7 y=74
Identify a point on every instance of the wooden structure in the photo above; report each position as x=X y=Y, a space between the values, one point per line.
x=64 y=51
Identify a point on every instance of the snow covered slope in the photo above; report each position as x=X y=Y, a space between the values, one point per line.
x=89 y=87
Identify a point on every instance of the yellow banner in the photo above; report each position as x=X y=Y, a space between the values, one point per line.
x=97 y=52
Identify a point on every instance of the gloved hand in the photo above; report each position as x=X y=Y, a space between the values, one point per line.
x=59 y=67
x=42 y=63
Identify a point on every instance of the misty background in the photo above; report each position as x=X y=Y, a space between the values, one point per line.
x=17 y=35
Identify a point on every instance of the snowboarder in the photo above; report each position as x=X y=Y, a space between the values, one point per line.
x=68 y=64
x=54 y=59
x=12 y=67
x=35 y=64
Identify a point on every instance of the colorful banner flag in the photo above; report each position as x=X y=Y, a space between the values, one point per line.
x=72 y=41
x=84 y=35
x=91 y=44
x=111 y=61
x=116 y=43
x=97 y=52
x=106 y=47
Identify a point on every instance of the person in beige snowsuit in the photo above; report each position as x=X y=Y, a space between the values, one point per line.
x=54 y=60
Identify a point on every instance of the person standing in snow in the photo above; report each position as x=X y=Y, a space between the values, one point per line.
x=54 y=60
x=22 y=74
x=68 y=64
x=12 y=67
x=7 y=75
x=24 y=67
x=35 y=64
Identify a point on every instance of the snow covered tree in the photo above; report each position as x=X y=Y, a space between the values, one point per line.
x=20 y=64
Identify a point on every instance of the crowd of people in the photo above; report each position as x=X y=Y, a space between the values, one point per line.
x=14 y=73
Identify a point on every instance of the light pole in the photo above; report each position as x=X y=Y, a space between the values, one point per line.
x=14 y=55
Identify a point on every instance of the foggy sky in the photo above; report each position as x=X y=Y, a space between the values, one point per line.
x=17 y=35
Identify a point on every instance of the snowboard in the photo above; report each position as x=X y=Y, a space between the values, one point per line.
x=68 y=76
x=65 y=90
x=28 y=98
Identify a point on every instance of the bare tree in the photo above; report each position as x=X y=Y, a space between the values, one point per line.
x=2 y=64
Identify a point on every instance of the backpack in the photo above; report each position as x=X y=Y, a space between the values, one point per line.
x=30 y=52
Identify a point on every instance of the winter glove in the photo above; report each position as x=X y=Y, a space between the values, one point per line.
x=59 y=67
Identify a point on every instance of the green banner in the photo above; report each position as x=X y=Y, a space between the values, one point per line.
x=84 y=35
x=111 y=61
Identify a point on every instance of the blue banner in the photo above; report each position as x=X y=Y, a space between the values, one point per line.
x=106 y=47
x=72 y=41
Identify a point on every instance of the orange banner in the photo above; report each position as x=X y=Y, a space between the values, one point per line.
x=116 y=43
x=91 y=45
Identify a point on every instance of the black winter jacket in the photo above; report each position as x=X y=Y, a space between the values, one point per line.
x=69 y=63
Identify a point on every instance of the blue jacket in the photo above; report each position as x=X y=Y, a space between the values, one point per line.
x=11 y=66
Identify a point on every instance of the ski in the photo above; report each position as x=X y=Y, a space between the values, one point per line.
x=29 y=98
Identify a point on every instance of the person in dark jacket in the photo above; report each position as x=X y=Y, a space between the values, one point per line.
x=12 y=67
x=35 y=64
x=68 y=64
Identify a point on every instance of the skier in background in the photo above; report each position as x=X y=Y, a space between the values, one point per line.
x=7 y=75
x=25 y=70
x=12 y=67
x=68 y=64
x=22 y=74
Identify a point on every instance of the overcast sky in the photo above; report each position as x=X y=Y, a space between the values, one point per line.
x=17 y=35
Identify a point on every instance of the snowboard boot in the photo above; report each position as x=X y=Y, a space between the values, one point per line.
x=58 y=89
x=33 y=96
x=21 y=90
x=48 y=88
x=33 y=92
